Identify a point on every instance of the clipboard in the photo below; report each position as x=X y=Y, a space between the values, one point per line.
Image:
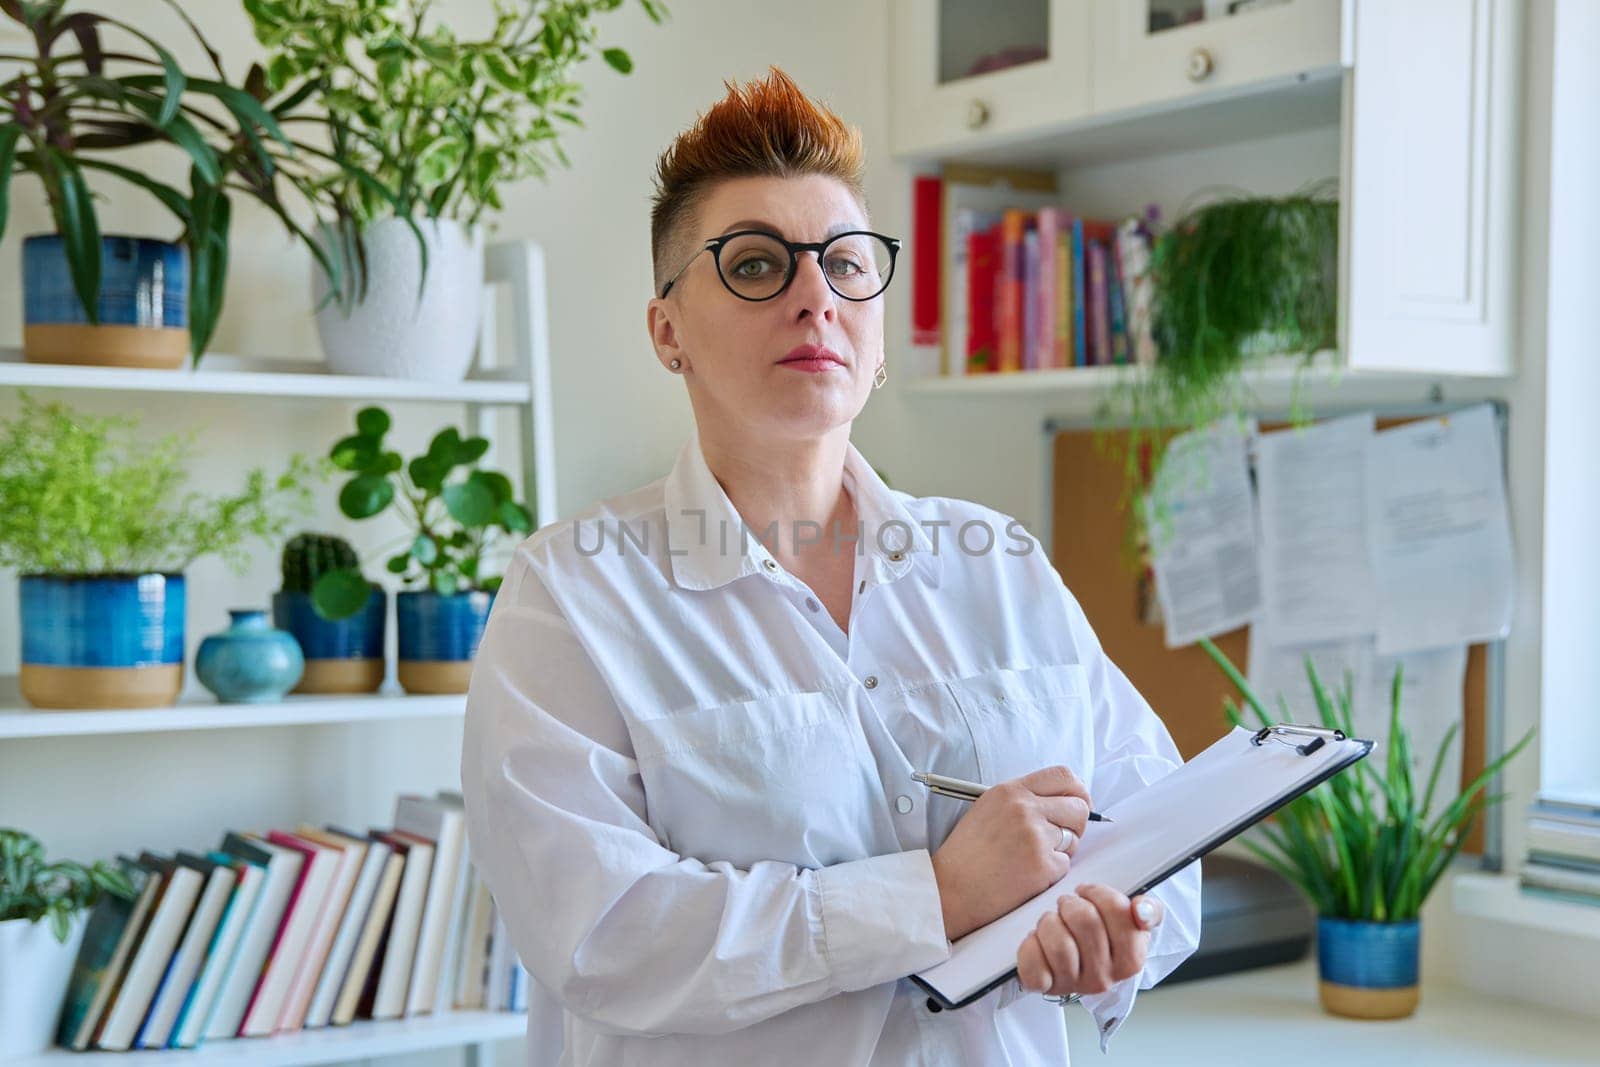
x=1235 y=783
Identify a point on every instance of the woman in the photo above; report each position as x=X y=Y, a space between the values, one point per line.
x=698 y=707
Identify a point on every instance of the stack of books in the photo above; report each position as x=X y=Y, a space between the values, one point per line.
x=1563 y=851
x=290 y=930
x=1024 y=284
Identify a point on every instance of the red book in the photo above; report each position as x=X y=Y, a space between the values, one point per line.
x=927 y=211
x=983 y=278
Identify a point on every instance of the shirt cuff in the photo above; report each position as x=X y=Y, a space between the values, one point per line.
x=1110 y=1009
x=881 y=918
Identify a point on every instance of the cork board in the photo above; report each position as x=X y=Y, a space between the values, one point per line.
x=1182 y=684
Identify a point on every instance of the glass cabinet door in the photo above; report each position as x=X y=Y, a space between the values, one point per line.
x=1148 y=51
x=980 y=38
x=968 y=71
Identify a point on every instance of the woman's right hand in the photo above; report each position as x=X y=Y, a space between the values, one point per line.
x=1005 y=849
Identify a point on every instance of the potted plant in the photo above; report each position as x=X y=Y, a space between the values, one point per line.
x=1234 y=281
x=1366 y=848
x=456 y=513
x=431 y=127
x=93 y=86
x=100 y=530
x=343 y=653
x=42 y=911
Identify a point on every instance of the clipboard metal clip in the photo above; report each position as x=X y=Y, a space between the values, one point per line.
x=1287 y=734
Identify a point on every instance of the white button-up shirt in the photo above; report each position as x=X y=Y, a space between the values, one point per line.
x=690 y=791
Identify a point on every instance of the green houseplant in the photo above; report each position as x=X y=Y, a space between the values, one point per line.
x=1367 y=847
x=1235 y=280
x=456 y=513
x=433 y=126
x=343 y=649
x=100 y=527
x=42 y=907
x=93 y=86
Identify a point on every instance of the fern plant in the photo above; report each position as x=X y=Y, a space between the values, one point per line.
x=1365 y=844
x=33 y=890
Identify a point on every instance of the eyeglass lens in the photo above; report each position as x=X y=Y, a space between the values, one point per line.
x=755 y=266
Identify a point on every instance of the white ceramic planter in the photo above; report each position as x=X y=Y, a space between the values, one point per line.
x=34 y=968
x=392 y=334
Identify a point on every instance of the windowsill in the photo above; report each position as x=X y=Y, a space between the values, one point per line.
x=1497 y=898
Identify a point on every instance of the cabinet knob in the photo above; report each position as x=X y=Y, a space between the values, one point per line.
x=977 y=114
x=1200 y=65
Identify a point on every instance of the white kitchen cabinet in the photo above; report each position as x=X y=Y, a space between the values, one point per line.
x=1154 y=52
x=1431 y=186
x=967 y=71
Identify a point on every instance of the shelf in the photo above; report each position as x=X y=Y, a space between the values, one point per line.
x=223 y=375
x=330 y=1045
x=1286 y=104
x=197 y=711
x=1324 y=370
x=1498 y=898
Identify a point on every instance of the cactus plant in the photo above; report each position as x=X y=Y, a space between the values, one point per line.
x=309 y=558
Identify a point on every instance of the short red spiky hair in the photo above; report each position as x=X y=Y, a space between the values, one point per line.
x=766 y=127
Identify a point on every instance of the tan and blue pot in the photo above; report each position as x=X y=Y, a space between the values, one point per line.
x=342 y=655
x=438 y=636
x=102 y=640
x=141 y=310
x=1369 y=970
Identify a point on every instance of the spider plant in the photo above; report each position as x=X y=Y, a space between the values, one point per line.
x=1365 y=845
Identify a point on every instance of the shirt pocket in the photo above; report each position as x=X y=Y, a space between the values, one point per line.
x=1022 y=719
x=774 y=777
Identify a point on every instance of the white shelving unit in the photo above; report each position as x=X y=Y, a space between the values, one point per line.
x=198 y=712
x=1324 y=369
x=357 y=1041
x=519 y=379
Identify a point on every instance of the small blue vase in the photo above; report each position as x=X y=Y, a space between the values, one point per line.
x=1369 y=970
x=438 y=636
x=141 y=309
x=249 y=662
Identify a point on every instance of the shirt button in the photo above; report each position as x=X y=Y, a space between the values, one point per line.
x=902 y=804
x=897 y=556
x=870 y=681
x=770 y=564
x=812 y=604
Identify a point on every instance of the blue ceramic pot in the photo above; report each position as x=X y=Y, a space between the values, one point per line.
x=101 y=641
x=438 y=637
x=1369 y=969
x=249 y=662
x=342 y=655
x=142 y=307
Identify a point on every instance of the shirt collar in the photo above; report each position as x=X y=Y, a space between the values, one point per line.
x=708 y=544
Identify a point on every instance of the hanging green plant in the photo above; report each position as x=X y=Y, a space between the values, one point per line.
x=1235 y=281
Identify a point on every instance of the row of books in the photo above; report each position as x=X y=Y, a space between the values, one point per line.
x=290 y=930
x=1048 y=289
x=1563 y=851
x=1005 y=279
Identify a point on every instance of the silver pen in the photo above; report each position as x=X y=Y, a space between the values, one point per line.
x=961 y=789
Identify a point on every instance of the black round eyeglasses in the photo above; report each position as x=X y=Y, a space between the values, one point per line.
x=757 y=265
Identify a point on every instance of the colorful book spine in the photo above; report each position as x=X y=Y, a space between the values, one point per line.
x=1030 y=300
x=1119 y=319
x=1045 y=297
x=1080 y=292
x=927 y=209
x=1099 y=324
x=983 y=284
x=1013 y=225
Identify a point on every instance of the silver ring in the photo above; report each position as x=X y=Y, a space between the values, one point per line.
x=1066 y=840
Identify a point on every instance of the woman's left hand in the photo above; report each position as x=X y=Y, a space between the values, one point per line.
x=1089 y=943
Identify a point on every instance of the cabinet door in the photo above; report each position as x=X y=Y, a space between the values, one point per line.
x=1155 y=51
x=971 y=72
x=1431 y=192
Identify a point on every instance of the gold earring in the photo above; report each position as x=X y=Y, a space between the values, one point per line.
x=881 y=376
x=676 y=364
